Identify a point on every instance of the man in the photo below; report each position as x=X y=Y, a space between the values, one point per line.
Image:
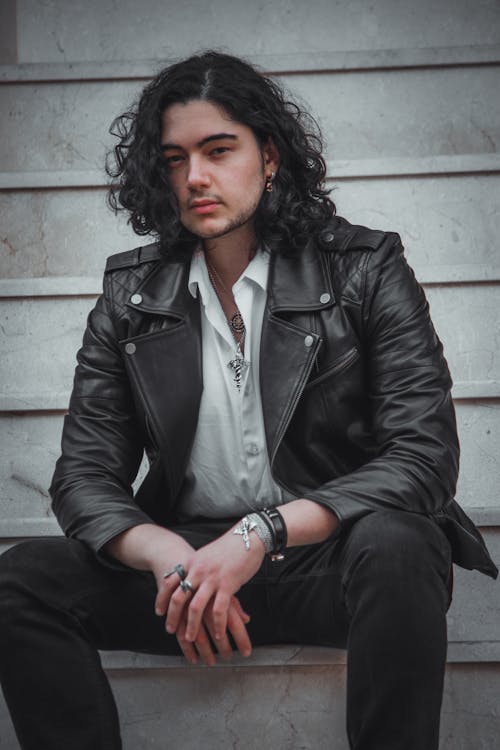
x=279 y=368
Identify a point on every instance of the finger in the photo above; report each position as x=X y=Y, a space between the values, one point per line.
x=187 y=647
x=223 y=645
x=196 y=610
x=163 y=598
x=224 y=648
x=188 y=650
x=165 y=590
x=177 y=605
x=236 y=626
x=235 y=602
x=204 y=647
x=220 y=609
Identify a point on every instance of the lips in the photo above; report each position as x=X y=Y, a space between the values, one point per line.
x=204 y=205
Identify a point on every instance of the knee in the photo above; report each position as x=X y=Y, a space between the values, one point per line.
x=399 y=543
x=30 y=571
x=19 y=567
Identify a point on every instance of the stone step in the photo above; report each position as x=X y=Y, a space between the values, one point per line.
x=283 y=697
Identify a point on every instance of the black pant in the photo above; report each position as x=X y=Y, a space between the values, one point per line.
x=380 y=590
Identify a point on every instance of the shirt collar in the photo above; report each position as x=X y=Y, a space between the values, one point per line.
x=256 y=271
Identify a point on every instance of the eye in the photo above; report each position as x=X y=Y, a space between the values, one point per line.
x=219 y=150
x=174 y=160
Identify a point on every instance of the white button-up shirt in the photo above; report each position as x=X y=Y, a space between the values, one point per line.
x=228 y=473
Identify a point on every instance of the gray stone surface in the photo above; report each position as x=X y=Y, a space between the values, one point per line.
x=39 y=338
x=54 y=30
x=454 y=110
x=399 y=121
x=8 y=36
x=29 y=446
x=250 y=708
x=449 y=225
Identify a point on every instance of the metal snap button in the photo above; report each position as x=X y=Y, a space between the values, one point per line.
x=136 y=299
x=328 y=237
x=308 y=341
x=130 y=348
x=324 y=298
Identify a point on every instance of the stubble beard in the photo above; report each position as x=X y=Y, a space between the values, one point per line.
x=244 y=217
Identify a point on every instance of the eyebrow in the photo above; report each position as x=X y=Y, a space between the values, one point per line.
x=203 y=142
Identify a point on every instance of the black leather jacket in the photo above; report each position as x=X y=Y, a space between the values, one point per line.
x=355 y=392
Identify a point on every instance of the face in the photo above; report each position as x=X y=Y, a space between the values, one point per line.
x=217 y=169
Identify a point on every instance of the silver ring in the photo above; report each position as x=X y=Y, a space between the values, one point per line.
x=179 y=569
x=186 y=586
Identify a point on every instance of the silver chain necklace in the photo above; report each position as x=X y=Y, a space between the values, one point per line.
x=236 y=325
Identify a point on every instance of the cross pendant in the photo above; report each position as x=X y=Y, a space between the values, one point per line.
x=244 y=530
x=238 y=365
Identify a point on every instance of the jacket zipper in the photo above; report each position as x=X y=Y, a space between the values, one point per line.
x=351 y=356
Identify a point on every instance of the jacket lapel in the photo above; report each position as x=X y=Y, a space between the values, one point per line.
x=167 y=367
x=167 y=363
x=297 y=289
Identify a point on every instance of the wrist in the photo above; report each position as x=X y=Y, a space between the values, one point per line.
x=269 y=527
x=149 y=547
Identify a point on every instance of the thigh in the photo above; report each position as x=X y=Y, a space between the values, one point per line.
x=305 y=596
x=114 y=605
x=310 y=592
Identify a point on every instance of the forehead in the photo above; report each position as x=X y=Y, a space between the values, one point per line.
x=188 y=124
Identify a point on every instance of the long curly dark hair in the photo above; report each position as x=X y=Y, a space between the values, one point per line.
x=298 y=205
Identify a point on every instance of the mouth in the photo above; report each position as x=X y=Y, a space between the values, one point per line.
x=204 y=205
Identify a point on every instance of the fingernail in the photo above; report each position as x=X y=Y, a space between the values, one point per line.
x=169 y=629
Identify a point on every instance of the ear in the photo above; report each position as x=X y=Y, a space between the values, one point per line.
x=271 y=156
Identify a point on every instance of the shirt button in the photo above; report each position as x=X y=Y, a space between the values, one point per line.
x=308 y=341
x=130 y=348
x=324 y=298
x=136 y=299
x=253 y=449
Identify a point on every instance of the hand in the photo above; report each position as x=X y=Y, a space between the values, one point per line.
x=202 y=646
x=216 y=572
x=153 y=548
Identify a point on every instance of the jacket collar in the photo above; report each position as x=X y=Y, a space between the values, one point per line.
x=299 y=283
x=295 y=284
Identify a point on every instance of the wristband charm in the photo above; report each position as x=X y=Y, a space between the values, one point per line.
x=269 y=525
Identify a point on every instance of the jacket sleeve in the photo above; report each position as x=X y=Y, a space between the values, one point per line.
x=411 y=410
x=101 y=442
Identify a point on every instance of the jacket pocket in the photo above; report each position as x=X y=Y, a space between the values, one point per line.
x=339 y=365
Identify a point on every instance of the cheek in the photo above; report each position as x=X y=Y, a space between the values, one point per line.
x=176 y=186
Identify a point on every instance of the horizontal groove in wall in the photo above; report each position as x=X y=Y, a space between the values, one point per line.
x=91 y=286
x=51 y=286
x=296 y=63
x=442 y=164
x=20 y=528
x=488 y=390
x=50 y=402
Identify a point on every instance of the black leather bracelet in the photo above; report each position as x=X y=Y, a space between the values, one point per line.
x=280 y=536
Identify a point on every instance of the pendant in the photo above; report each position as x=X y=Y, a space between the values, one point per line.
x=238 y=365
x=236 y=323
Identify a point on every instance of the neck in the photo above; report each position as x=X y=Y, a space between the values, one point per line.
x=231 y=253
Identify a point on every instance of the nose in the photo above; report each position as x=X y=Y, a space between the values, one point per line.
x=198 y=175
